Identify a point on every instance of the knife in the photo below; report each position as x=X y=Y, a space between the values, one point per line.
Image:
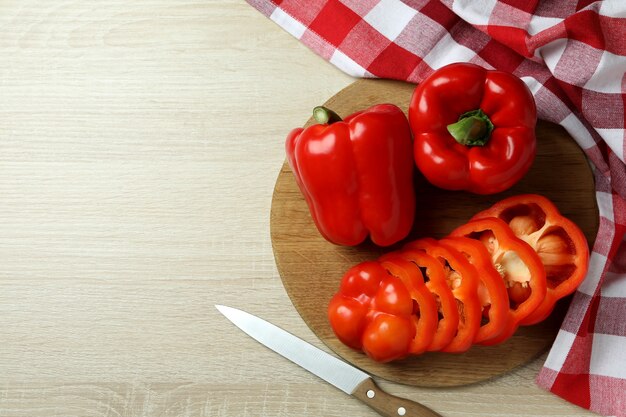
x=346 y=377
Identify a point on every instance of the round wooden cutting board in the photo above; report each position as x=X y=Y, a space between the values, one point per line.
x=311 y=267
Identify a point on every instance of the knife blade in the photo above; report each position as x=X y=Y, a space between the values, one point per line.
x=336 y=372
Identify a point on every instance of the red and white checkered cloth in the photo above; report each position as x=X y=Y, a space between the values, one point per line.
x=572 y=55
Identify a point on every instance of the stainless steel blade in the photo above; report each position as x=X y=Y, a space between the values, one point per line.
x=330 y=369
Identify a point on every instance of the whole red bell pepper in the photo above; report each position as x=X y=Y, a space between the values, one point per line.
x=373 y=311
x=474 y=129
x=356 y=174
x=517 y=263
x=560 y=244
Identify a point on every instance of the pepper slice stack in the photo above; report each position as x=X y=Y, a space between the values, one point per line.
x=506 y=267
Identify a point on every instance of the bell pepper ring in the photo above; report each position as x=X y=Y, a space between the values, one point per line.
x=462 y=279
x=492 y=293
x=517 y=263
x=424 y=306
x=372 y=312
x=356 y=174
x=473 y=129
x=435 y=279
x=560 y=244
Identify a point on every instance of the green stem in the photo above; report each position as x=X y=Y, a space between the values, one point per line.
x=472 y=129
x=323 y=115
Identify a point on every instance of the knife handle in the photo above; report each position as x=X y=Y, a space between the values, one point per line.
x=388 y=405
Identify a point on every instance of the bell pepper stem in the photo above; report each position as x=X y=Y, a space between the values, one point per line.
x=472 y=129
x=323 y=115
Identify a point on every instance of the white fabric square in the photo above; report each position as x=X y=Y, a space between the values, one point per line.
x=539 y=23
x=447 y=51
x=615 y=139
x=552 y=52
x=613 y=8
x=561 y=347
x=533 y=85
x=390 y=17
x=476 y=12
x=607 y=78
x=608 y=356
x=579 y=132
x=605 y=204
x=345 y=63
x=614 y=285
x=288 y=23
x=597 y=263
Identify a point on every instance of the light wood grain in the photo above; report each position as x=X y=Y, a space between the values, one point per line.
x=139 y=145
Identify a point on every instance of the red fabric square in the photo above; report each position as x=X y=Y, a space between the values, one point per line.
x=583 y=3
x=527 y=6
x=361 y=7
x=573 y=388
x=504 y=14
x=573 y=93
x=611 y=307
x=614 y=34
x=498 y=55
x=440 y=14
x=469 y=37
x=317 y=44
x=576 y=312
x=556 y=31
x=603 y=246
x=365 y=43
x=302 y=10
x=577 y=63
x=263 y=6
x=514 y=37
x=533 y=69
x=619 y=266
x=415 y=4
x=603 y=110
x=394 y=62
x=584 y=26
x=334 y=22
x=603 y=389
x=560 y=9
x=421 y=72
x=411 y=37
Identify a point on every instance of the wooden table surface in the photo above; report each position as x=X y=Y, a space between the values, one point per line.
x=139 y=146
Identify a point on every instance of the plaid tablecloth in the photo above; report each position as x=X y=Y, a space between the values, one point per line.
x=572 y=55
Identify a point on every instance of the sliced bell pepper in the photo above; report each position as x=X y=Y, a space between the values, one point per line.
x=518 y=264
x=424 y=306
x=492 y=294
x=462 y=279
x=474 y=129
x=560 y=244
x=372 y=312
x=356 y=174
x=435 y=278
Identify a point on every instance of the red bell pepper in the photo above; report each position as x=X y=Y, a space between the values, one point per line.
x=435 y=278
x=474 y=129
x=492 y=294
x=462 y=279
x=373 y=312
x=356 y=174
x=518 y=264
x=424 y=306
x=560 y=244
